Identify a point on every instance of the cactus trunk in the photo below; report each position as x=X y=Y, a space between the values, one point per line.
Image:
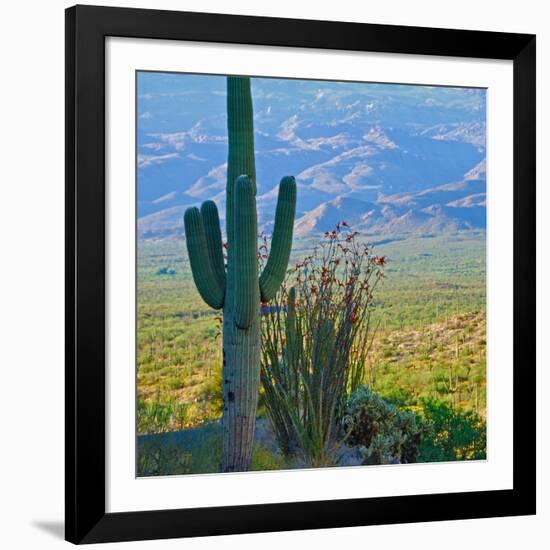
x=241 y=382
x=239 y=289
x=241 y=333
x=241 y=337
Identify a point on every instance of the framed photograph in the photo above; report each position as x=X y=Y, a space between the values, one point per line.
x=300 y=273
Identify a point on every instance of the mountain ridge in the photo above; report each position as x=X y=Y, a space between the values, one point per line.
x=389 y=150
x=449 y=207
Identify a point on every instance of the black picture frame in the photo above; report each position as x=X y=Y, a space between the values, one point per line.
x=85 y=516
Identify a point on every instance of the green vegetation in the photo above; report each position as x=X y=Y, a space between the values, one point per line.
x=429 y=345
x=315 y=342
x=451 y=434
x=444 y=360
x=430 y=279
x=200 y=454
x=385 y=432
x=381 y=430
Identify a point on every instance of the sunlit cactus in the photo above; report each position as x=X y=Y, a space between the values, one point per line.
x=239 y=288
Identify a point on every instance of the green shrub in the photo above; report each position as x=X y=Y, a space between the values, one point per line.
x=383 y=432
x=451 y=434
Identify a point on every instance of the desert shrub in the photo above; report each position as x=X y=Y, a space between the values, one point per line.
x=316 y=334
x=263 y=459
x=158 y=416
x=383 y=432
x=396 y=394
x=451 y=434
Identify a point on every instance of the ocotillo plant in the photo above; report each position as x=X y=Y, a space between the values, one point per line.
x=316 y=339
x=238 y=289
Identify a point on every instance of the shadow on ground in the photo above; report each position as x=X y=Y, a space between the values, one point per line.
x=54 y=528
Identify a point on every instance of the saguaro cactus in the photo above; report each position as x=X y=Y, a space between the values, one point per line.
x=239 y=288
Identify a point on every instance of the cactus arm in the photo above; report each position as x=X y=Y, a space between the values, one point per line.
x=211 y=220
x=205 y=281
x=275 y=269
x=247 y=289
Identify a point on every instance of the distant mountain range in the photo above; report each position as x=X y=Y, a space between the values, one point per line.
x=450 y=207
x=386 y=159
